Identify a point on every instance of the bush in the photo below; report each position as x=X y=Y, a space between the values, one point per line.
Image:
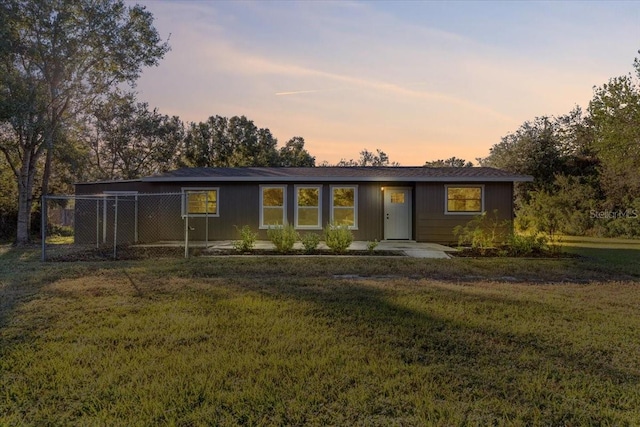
x=283 y=237
x=59 y=230
x=520 y=245
x=247 y=239
x=483 y=231
x=371 y=246
x=310 y=242
x=338 y=237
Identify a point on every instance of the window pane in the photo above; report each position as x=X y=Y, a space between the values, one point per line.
x=308 y=196
x=202 y=202
x=344 y=197
x=397 y=197
x=308 y=217
x=473 y=206
x=272 y=216
x=464 y=199
x=343 y=217
x=272 y=197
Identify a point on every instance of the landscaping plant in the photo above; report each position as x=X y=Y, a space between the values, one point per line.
x=338 y=238
x=283 y=237
x=247 y=239
x=483 y=232
x=310 y=242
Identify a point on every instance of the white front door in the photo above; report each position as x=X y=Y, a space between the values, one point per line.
x=397 y=213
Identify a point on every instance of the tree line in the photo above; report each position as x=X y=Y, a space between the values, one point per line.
x=585 y=164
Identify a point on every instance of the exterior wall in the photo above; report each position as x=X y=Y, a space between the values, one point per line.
x=159 y=217
x=433 y=225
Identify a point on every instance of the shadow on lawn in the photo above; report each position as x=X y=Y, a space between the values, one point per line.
x=617 y=260
x=22 y=277
x=484 y=361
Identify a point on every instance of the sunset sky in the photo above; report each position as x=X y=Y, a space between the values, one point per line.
x=418 y=80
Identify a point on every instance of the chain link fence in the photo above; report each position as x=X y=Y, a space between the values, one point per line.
x=109 y=225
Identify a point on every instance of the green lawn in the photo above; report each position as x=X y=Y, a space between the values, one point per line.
x=621 y=255
x=307 y=341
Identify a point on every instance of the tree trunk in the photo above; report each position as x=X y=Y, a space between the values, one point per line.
x=25 y=200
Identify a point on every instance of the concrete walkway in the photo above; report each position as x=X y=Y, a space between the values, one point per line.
x=409 y=248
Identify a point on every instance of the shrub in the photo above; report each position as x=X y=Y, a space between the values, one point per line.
x=338 y=237
x=247 y=239
x=483 y=231
x=371 y=246
x=522 y=245
x=310 y=242
x=283 y=237
x=59 y=230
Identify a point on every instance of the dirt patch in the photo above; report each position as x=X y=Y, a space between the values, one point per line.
x=122 y=253
x=141 y=253
x=504 y=253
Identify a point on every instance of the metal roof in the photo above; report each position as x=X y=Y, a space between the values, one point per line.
x=335 y=174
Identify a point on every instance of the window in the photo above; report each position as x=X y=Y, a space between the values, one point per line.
x=200 y=202
x=308 y=207
x=464 y=199
x=343 y=206
x=272 y=205
x=397 y=198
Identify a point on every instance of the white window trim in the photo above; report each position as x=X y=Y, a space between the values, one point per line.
x=295 y=214
x=264 y=226
x=355 y=204
x=201 y=189
x=446 y=198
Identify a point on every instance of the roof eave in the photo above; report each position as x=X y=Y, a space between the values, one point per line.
x=115 y=181
x=338 y=179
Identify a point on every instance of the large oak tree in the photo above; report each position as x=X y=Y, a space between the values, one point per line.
x=57 y=57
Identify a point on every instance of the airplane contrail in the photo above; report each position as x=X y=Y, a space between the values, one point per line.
x=297 y=92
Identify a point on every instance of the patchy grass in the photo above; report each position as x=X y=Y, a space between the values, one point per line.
x=338 y=341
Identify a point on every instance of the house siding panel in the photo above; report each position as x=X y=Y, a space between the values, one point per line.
x=433 y=225
x=239 y=204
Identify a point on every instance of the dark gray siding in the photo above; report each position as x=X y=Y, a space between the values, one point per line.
x=433 y=225
x=159 y=217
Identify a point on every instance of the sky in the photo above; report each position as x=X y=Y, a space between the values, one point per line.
x=418 y=80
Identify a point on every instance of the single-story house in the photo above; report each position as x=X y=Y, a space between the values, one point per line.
x=378 y=203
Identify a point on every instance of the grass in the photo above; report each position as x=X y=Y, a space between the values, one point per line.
x=621 y=255
x=308 y=341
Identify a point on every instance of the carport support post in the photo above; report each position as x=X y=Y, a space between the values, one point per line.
x=43 y=226
x=206 y=220
x=115 y=229
x=186 y=234
x=97 y=223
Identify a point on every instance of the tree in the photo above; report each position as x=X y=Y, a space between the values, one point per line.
x=452 y=162
x=293 y=154
x=575 y=135
x=615 y=114
x=56 y=58
x=127 y=140
x=235 y=142
x=8 y=198
x=534 y=149
x=368 y=158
